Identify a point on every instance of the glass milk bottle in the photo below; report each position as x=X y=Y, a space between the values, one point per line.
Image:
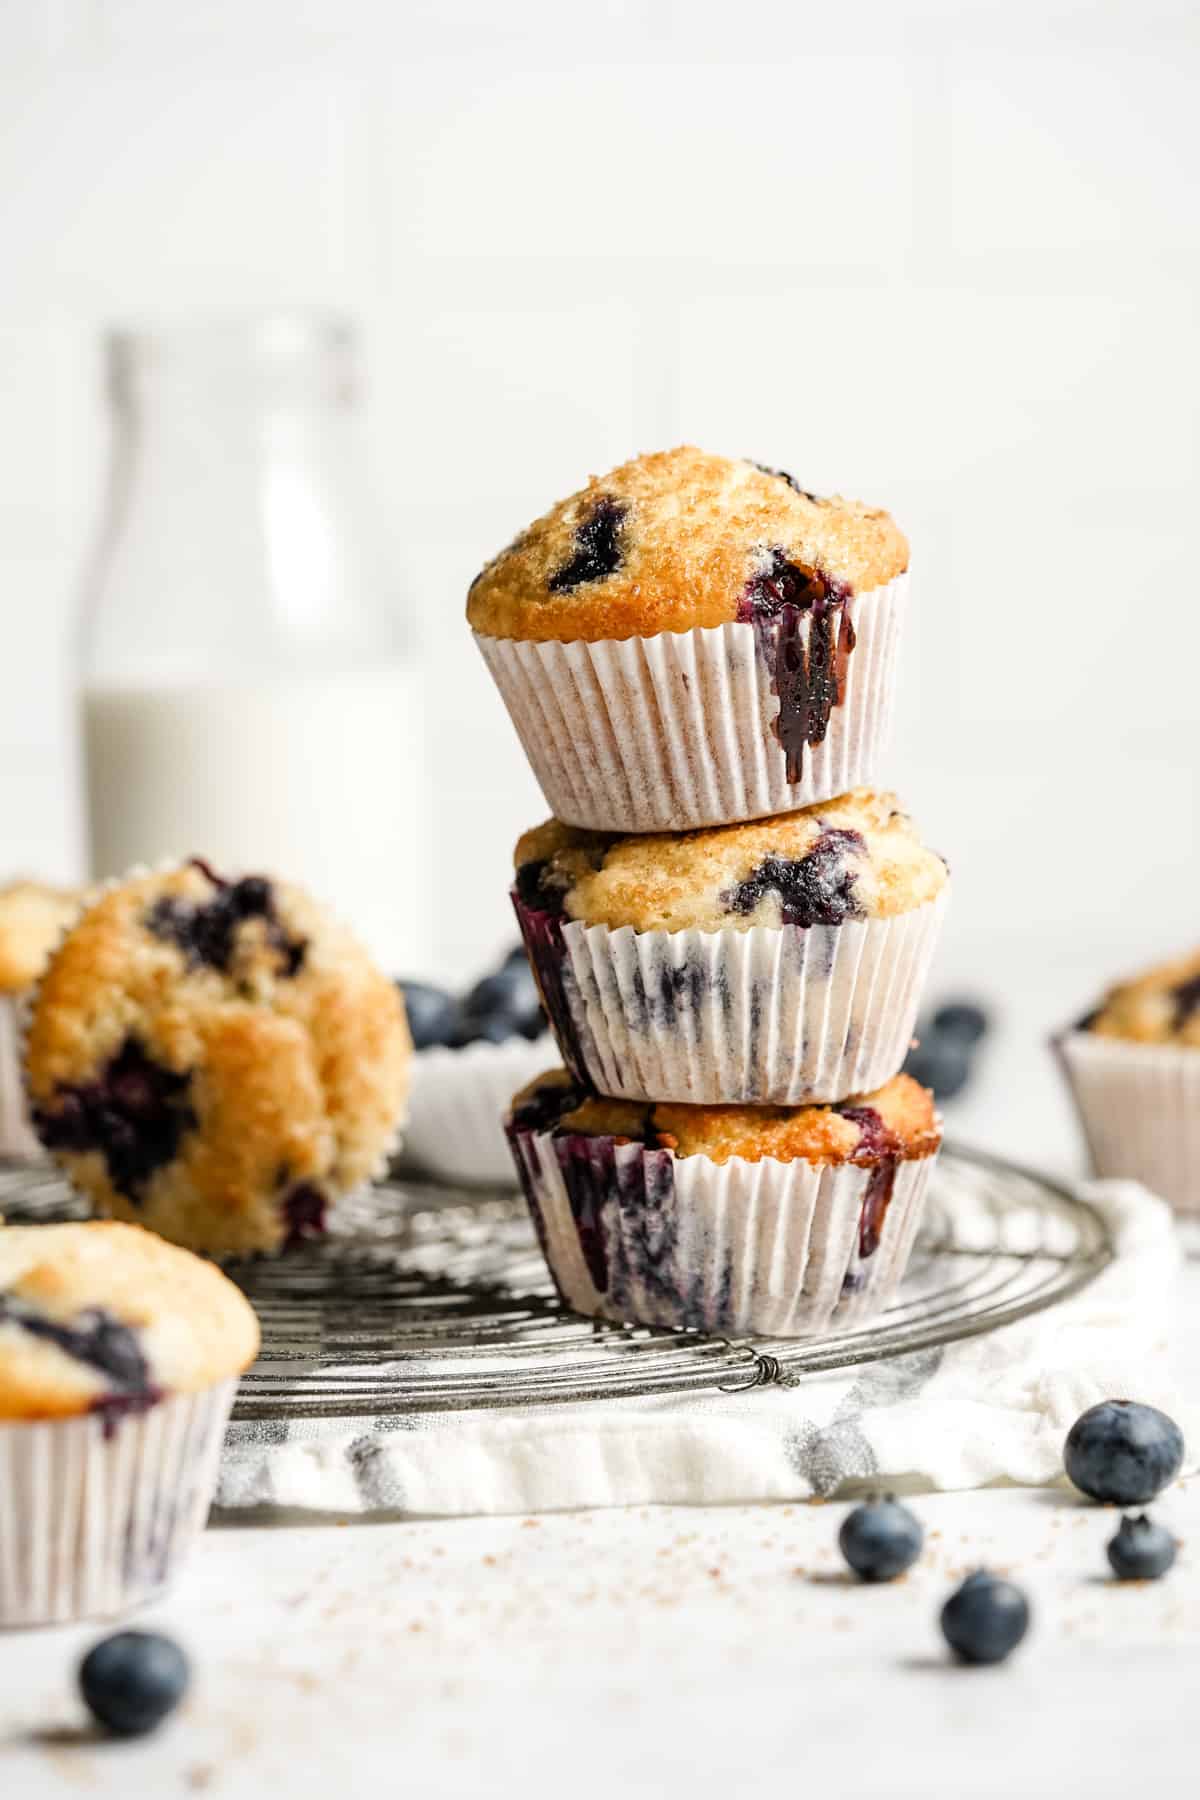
x=249 y=691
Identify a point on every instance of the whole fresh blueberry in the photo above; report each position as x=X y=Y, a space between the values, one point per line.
x=880 y=1539
x=495 y=1029
x=1140 y=1550
x=510 y=993
x=1123 y=1453
x=940 y=1063
x=432 y=1013
x=961 y=1019
x=133 y=1680
x=985 y=1619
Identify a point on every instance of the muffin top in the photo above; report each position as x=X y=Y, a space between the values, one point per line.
x=32 y=919
x=97 y=1317
x=897 y=1120
x=216 y=1059
x=677 y=540
x=852 y=858
x=1160 y=1007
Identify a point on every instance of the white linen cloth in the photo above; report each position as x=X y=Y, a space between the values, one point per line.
x=986 y=1410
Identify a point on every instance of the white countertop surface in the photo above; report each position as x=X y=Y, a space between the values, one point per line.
x=652 y=1651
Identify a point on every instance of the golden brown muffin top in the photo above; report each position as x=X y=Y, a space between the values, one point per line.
x=105 y=1313
x=217 y=1059
x=1160 y=1007
x=32 y=919
x=855 y=857
x=898 y=1119
x=673 y=541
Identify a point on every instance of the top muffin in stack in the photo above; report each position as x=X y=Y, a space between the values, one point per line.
x=689 y=642
x=616 y=628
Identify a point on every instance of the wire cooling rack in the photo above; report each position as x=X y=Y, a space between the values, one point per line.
x=430 y=1299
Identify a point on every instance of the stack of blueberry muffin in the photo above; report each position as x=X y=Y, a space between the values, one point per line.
x=729 y=922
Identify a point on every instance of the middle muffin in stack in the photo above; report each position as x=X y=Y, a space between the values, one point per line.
x=729 y=924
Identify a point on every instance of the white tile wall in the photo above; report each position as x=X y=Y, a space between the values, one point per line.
x=942 y=255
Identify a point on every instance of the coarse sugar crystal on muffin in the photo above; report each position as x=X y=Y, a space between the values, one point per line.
x=778 y=1220
x=119 y=1356
x=33 y=918
x=217 y=1059
x=694 y=639
x=779 y=960
x=1133 y=1066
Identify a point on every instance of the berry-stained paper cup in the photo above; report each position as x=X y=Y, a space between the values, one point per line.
x=100 y=1510
x=767 y=1016
x=709 y=726
x=769 y=1248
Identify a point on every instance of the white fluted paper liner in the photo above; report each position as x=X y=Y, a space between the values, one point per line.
x=1139 y=1105
x=675 y=731
x=767 y=1248
x=457 y=1105
x=97 y=1520
x=766 y=1016
x=17 y=1137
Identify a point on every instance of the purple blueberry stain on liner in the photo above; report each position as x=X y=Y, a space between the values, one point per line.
x=542 y=931
x=135 y=1114
x=597 y=552
x=814 y=889
x=878 y=1149
x=808 y=673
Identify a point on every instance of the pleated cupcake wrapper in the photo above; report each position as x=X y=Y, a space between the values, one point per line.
x=670 y=732
x=770 y=1249
x=29 y=1001
x=97 y=1517
x=1139 y=1105
x=458 y=1103
x=17 y=1137
x=767 y=1016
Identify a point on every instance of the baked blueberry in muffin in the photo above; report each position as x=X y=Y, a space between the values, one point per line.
x=217 y=1059
x=725 y=1218
x=779 y=960
x=683 y=551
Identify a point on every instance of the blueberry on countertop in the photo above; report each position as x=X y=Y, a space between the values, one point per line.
x=880 y=1539
x=1123 y=1453
x=1141 y=1550
x=433 y=1015
x=985 y=1619
x=131 y=1681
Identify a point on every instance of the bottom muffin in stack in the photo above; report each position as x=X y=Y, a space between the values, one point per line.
x=780 y=1221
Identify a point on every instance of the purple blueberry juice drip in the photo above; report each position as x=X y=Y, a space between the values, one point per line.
x=305 y=1210
x=815 y=889
x=1187 y=999
x=135 y=1115
x=98 y=1339
x=542 y=931
x=809 y=677
x=597 y=551
x=207 y=934
x=877 y=1147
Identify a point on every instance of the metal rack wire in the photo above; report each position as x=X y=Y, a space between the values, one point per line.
x=433 y=1299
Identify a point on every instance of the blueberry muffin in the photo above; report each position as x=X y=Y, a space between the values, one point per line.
x=695 y=639
x=780 y=960
x=218 y=1060
x=781 y=1221
x=33 y=918
x=1133 y=1067
x=119 y=1356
